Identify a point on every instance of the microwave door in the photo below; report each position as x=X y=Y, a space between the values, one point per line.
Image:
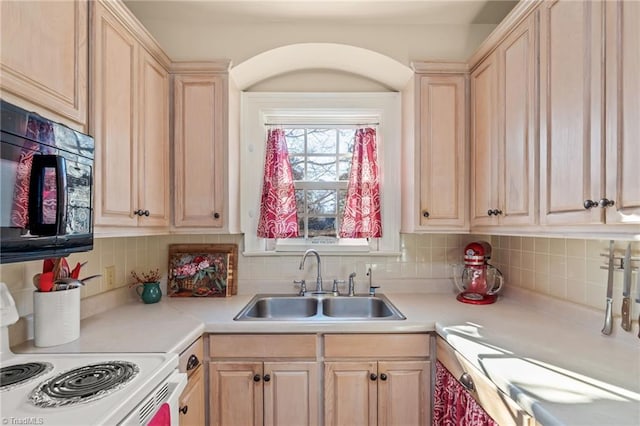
x=48 y=195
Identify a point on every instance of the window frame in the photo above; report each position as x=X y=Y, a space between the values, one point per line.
x=260 y=109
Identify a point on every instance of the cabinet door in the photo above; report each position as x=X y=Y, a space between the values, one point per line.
x=623 y=111
x=518 y=189
x=404 y=396
x=235 y=393
x=484 y=142
x=114 y=120
x=192 y=406
x=153 y=169
x=442 y=151
x=291 y=393
x=350 y=394
x=571 y=90
x=44 y=55
x=199 y=149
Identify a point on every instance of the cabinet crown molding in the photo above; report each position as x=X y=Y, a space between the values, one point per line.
x=440 y=67
x=221 y=66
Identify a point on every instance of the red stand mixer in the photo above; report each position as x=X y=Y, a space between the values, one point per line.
x=478 y=281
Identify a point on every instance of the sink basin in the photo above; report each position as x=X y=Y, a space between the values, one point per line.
x=365 y=307
x=318 y=307
x=274 y=307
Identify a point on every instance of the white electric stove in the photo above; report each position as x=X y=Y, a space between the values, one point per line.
x=81 y=389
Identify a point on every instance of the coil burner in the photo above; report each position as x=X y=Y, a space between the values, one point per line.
x=14 y=375
x=84 y=384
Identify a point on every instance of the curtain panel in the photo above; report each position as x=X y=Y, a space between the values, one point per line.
x=278 y=212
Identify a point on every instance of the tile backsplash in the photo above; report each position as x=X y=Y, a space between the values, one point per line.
x=567 y=269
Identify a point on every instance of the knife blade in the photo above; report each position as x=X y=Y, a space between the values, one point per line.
x=626 y=290
x=608 y=315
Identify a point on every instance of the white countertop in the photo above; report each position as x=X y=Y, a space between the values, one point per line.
x=548 y=355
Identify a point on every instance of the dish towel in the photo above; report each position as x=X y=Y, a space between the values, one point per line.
x=162 y=417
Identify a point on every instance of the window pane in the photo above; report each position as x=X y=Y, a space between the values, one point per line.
x=300 y=201
x=344 y=166
x=297 y=167
x=322 y=226
x=301 y=227
x=321 y=169
x=321 y=141
x=295 y=140
x=321 y=201
x=346 y=140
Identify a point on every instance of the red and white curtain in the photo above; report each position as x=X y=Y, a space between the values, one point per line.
x=278 y=213
x=453 y=405
x=362 y=218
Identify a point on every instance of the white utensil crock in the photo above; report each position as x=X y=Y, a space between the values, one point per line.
x=56 y=317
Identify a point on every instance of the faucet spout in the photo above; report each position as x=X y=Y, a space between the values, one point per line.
x=319 y=288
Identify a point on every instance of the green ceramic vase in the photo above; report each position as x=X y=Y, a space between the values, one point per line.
x=149 y=292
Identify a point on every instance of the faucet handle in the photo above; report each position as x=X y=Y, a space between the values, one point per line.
x=303 y=287
x=335 y=291
x=372 y=289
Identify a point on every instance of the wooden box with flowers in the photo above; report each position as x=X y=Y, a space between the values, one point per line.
x=202 y=270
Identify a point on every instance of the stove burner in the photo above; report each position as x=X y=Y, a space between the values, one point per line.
x=84 y=384
x=21 y=373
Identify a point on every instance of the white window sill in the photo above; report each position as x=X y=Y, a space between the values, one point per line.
x=323 y=253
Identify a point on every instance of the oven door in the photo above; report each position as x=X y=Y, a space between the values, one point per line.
x=153 y=407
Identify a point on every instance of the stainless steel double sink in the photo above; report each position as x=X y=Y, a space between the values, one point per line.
x=319 y=307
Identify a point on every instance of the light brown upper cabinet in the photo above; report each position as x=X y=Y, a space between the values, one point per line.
x=503 y=132
x=438 y=201
x=199 y=148
x=571 y=111
x=130 y=123
x=44 y=57
x=623 y=112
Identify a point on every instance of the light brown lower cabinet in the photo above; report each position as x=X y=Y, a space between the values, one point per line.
x=192 y=403
x=377 y=393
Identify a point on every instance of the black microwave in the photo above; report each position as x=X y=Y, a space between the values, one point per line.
x=46 y=187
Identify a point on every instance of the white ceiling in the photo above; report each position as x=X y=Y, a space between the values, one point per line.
x=389 y=12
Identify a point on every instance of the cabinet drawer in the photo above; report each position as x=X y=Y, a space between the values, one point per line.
x=263 y=346
x=192 y=357
x=495 y=402
x=376 y=345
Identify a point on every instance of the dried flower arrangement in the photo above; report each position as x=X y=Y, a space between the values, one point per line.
x=152 y=277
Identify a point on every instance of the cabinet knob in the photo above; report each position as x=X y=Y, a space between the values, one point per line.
x=146 y=213
x=605 y=202
x=589 y=204
x=138 y=212
x=383 y=376
x=425 y=214
x=256 y=378
x=266 y=378
x=193 y=362
x=497 y=212
x=373 y=376
x=489 y=212
x=184 y=409
x=467 y=381
x=216 y=215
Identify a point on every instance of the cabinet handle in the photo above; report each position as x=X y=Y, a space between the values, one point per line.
x=589 y=204
x=425 y=214
x=373 y=376
x=467 y=381
x=383 y=376
x=256 y=378
x=266 y=378
x=184 y=409
x=216 y=215
x=193 y=362
x=604 y=203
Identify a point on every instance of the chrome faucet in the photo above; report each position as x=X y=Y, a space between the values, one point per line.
x=352 y=291
x=319 y=288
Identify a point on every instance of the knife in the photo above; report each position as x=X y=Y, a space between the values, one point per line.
x=608 y=316
x=626 y=290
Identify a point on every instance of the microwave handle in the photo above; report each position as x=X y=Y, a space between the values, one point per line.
x=36 y=186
